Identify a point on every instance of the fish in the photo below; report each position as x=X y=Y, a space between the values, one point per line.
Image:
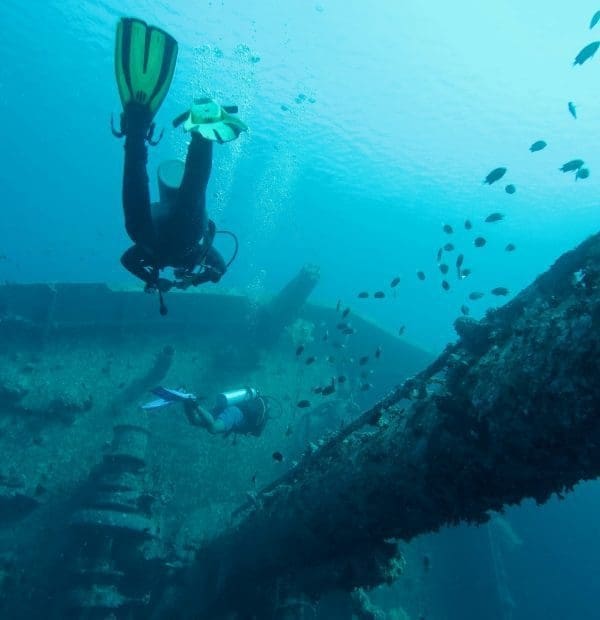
x=421 y=275
x=345 y=313
x=342 y=379
x=586 y=53
x=445 y=285
x=363 y=295
x=310 y=360
x=444 y=268
x=495 y=175
x=303 y=404
x=277 y=456
x=365 y=387
x=500 y=291
x=572 y=109
x=439 y=255
x=459 y=261
x=465 y=309
x=426 y=563
x=401 y=330
x=572 y=165
x=538 y=146
x=595 y=19
x=510 y=247
x=494 y=217
x=468 y=225
x=379 y=294
x=475 y=295
x=299 y=350
x=363 y=360
x=329 y=389
x=394 y=283
x=582 y=173
x=377 y=352
x=447 y=229
x=479 y=242
x=510 y=189
x=348 y=331
x=465 y=273
x=449 y=247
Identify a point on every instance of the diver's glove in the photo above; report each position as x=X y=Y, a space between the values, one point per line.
x=162 y=285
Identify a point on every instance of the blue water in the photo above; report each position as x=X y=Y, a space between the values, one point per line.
x=414 y=103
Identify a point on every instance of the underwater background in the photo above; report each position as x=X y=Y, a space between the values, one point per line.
x=372 y=125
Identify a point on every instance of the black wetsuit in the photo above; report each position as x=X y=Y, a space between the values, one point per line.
x=180 y=238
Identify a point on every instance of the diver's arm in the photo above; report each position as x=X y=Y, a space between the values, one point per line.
x=136 y=262
x=212 y=269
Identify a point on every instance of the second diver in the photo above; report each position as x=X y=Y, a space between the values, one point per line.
x=176 y=231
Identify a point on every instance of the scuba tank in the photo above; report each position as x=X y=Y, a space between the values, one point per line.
x=235 y=397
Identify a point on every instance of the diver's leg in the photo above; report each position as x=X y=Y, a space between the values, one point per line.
x=190 y=210
x=136 y=191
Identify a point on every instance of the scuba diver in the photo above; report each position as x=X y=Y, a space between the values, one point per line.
x=176 y=231
x=243 y=411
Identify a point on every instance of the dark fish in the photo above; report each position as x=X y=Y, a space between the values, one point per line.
x=253 y=479
x=310 y=360
x=447 y=229
x=329 y=389
x=572 y=109
x=494 y=217
x=363 y=295
x=303 y=404
x=377 y=352
x=510 y=189
x=379 y=295
x=426 y=563
x=449 y=247
x=300 y=349
x=445 y=285
x=345 y=313
x=582 y=173
x=394 y=283
x=277 y=456
x=459 y=261
x=572 y=165
x=439 y=255
x=342 y=379
x=363 y=360
x=479 y=242
x=500 y=291
x=586 y=53
x=538 y=146
x=421 y=275
x=444 y=268
x=465 y=273
x=464 y=309
x=495 y=175
x=348 y=331
x=510 y=247
x=595 y=19
x=365 y=387
x=401 y=330
x=468 y=225
x=475 y=295
x=338 y=306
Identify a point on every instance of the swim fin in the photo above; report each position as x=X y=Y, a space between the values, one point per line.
x=145 y=58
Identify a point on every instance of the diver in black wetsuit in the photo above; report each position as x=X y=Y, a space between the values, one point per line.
x=176 y=231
